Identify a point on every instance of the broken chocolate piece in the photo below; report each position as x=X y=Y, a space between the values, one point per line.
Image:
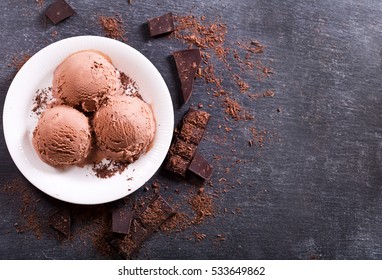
x=198 y=118
x=61 y=221
x=58 y=11
x=183 y=149
x=121 y=220
x=200 y=166
x=187 y=63
x=129 y=244
x=149 y=220
x=177 y=164
x=185 y=142
x=156 y=213
x=161 y=25
x=191 y=133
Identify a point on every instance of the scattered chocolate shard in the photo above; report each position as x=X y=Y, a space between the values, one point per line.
x=191 y=133
x=161 y=25
x=58 y=11
x=61 y=221
x=156 y=213
x=200 y=166
x=121 y=219
x=187 y=63
x=183 y=149
x=177 y=165
x=198 y=118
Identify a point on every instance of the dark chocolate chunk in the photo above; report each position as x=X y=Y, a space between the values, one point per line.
x=177 y=164
x=130 y=243
x=198 y=118
x=161 y=25
x=156 y=213
x=58 y=11
x=150 y=219
x=200 y=166
x=61 y=221
x=121 y=219
x=183 y=149
x=187 y=63
x=191 y=133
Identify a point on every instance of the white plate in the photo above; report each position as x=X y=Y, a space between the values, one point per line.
x=75 y=184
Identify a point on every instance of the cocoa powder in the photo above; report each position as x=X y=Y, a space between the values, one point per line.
x=113 y=27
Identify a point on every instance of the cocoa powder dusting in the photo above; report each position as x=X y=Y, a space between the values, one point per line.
x=113 y=27
x=18 y=61
x=22 y=194
x=217 y=53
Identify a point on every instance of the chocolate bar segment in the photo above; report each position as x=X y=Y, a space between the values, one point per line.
x=198 y=118
x=191 y=133
x=183 y=149
x=161 y=25
x=61 y=221
x=121 y=219
x=187 y=63
x=200 y=166
x=177 y=165
x=58 y=11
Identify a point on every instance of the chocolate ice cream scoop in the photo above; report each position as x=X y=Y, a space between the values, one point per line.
x=124 y=128
x=62 y=136
x=85 y=79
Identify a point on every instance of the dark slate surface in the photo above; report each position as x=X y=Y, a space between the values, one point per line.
x=312 y=191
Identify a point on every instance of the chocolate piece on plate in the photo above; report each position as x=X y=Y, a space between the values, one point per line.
x=177 y=164
x=61 y=221
x=187 y=63
x=161 y=25
x=183 y=149
x=58 y=11
x=121 y=219
x=200 y=166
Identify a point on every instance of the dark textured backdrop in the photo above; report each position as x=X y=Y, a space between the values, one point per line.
x=313 y=190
